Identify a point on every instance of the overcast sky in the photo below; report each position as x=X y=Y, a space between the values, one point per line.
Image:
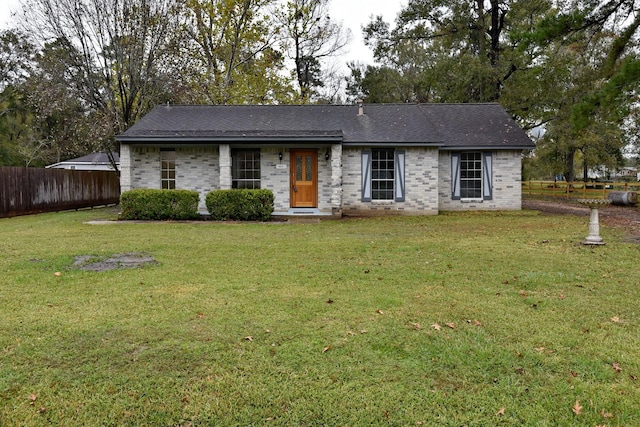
x=353 y=14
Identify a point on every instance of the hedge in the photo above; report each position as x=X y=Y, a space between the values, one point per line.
x=242 y=205
x=159 y=204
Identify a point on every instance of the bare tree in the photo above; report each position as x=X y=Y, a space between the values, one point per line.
x=310 y=36
x=116 y=50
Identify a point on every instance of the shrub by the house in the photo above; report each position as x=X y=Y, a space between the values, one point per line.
x=151 y=204
x=243 y=205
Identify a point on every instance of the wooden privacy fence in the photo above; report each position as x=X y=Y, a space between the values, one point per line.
x=576 y=190
x=32 y=190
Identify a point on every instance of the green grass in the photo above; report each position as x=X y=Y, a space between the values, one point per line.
x=320 y=324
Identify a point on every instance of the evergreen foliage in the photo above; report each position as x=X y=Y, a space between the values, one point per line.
x=242 y=205
x=148 y=204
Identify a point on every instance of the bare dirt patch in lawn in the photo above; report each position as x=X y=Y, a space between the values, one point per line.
x=113 y=262
x=626 y=218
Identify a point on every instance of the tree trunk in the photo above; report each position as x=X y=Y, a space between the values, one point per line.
x=569 y=172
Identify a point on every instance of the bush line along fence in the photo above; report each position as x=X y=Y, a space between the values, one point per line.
x=575 y=190
x=25 y=191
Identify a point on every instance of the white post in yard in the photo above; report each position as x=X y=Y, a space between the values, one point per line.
x=594 y=222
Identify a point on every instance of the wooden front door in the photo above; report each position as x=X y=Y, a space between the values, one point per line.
x=304 y=178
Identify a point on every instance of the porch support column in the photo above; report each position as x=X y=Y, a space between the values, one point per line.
x=225 y=166
x=125 y=167
x=336 y=179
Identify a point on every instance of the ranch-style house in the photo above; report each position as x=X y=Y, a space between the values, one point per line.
x=374 y=159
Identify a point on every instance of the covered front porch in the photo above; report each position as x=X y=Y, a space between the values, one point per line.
x=305 y=180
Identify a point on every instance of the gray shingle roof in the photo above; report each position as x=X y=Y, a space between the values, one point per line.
x=100 y=157
x=447 y=125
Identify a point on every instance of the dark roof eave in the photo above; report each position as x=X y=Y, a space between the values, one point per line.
x=486 y=147
x=229 y=139
x=392 y=144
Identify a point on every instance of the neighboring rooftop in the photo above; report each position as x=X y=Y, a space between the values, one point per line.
x=94 y=159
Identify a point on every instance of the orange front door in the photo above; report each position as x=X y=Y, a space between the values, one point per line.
x=304 y=178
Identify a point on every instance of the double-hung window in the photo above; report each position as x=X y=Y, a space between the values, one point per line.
x=383 y=175
x=168 y=169
x=245 y=169
x=471 y=176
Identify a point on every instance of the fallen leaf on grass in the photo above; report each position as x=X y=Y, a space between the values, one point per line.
x=616 y=367
x=249 y=338
x=41 y=410
x=615 y=319
x=606 y=414
x=379 y=311
x=562 y=296
x=327 y=348
x=523 y=293
x=200 y=315
x=500 y=412
x=577 y=409
x=436 y=326
x=417 y=326
x=451 y=325
x=57 y=274
x=539 y=349
x=33 y=399
x=477 y=323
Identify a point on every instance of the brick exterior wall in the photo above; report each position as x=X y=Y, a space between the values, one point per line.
x=125 y=167
x=224 y=162
x=325 y=192
x=197 y=168
x=421 y=185
x=427 y=178
x=336 y=179
x=507 y=187
x=276 y=180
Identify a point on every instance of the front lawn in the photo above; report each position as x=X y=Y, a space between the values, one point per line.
x=475 y=319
